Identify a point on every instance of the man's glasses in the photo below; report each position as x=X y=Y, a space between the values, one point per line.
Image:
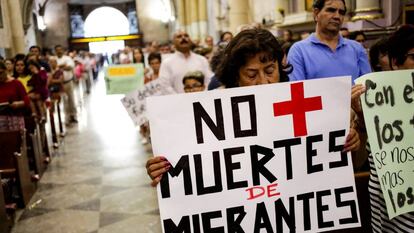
x=192 y=87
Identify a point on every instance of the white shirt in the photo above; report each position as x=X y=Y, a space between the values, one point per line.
x=67 y=75
x=177 y=65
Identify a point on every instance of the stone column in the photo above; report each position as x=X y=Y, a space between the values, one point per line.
x=367 y=9
x=188 y=20
x=181 y=14
x=16 y=26
x=238 y=13
x=281 y=6
x=153 y=29
x=195 y=32
x=301 y=6
x=202 y=18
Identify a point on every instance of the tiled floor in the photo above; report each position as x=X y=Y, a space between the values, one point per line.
x=97 y=180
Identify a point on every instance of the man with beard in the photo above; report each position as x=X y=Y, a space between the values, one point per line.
x=326 y=53
x=174 y=68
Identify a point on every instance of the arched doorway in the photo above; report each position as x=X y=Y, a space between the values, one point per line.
x=106 y=21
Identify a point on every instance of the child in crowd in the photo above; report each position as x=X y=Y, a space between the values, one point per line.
x=154 y=61
x=194 y=82
x=39 y=92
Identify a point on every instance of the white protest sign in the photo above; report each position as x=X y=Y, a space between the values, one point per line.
x=256 y=159
x=134 y=102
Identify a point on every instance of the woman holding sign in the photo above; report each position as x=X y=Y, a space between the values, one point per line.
x=253 y=57
x=401 y=56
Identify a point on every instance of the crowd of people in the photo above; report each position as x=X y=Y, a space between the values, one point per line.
x=44 y=77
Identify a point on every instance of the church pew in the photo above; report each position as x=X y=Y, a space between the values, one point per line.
x=37 y=152
x=4 y=223
x=61 y=130
x=14 y=162
x=52 y=110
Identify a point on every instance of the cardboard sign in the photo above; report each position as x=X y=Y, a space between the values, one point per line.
x=256 y=159
x=122 y=79
x=135 y=103
x=388 y=106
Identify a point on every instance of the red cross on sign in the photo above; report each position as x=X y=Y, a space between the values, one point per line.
x=298 y=106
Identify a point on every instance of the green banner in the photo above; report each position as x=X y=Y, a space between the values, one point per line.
x=388 y=105
x=122 y=79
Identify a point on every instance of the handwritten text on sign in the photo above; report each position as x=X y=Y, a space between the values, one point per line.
x=237 y=165
x=135 y=104
x=388 y=105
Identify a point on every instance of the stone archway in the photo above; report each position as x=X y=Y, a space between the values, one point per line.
x=106 y=21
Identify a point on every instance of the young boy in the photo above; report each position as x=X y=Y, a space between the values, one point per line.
x=194 y=82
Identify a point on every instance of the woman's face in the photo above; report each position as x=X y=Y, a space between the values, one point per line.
x=227 y=37
x=256 y=72
x=155 y=64
x=383 y=62
x=137 y=55
x=409 y=60
x=33 y=69
x=9 y=65
x=19 y=67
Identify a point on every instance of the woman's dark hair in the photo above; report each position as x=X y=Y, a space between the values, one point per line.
x=33 y=63
x=142 y=56
x=153 y=56
x=354 y=35
x=380 y=47
x=319 y=4
x=244 y=46
x=223 y=34
x=400 y=43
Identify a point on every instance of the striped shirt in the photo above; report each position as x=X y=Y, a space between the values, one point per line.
x=379 y=217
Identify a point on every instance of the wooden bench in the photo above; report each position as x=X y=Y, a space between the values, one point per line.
x=14 y=162
x=4 y=225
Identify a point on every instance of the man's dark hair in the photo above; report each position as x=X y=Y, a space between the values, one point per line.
x=58 y=46
x=33 y=63
x=153 y=56
x=380 y=47
x=244 y=46
x=319 y=4
x=400 y=43
x=35 y=47
x=343 y=29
